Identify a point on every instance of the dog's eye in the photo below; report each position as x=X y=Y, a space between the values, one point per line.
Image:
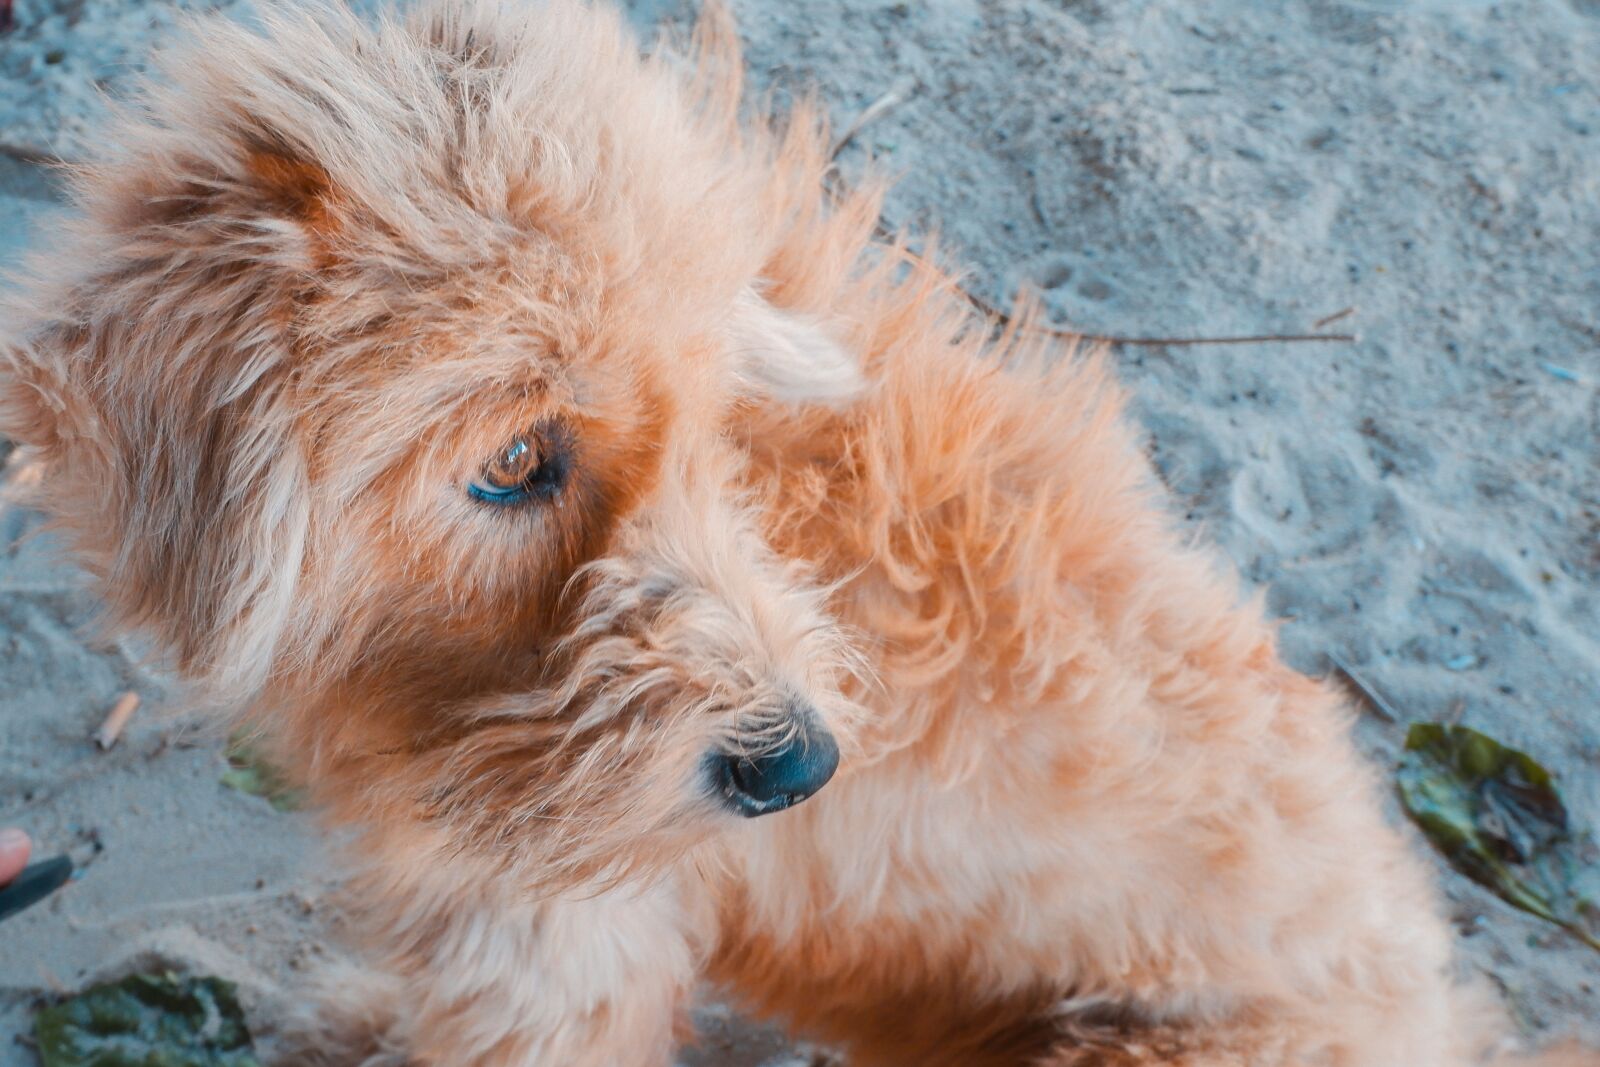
x=532 y=466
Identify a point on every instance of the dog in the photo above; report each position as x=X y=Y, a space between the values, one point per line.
x=667 y=579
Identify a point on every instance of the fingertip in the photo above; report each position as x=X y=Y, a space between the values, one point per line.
x=15 y=847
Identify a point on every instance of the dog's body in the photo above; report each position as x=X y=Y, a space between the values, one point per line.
x=771 y=484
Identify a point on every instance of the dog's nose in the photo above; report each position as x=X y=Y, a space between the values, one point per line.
x=782 y=777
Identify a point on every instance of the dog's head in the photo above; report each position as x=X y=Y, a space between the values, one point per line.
x=384 y=379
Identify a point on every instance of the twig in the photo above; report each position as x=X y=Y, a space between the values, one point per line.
x=885 y=232
x=898 y=93
x=1384 y=709
x=1156 y=342
x=118 y=718
x=1329 y=320
x=1247 y=339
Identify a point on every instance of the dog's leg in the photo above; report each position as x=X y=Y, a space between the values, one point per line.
x=1169 y=1050
x=489 y=978
x=352 y=1019
x=1105 y=1036
x=582 y=983
x=1267 y=1046
x=1421 y=1021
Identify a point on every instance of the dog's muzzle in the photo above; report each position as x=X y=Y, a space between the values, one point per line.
x=781 y=777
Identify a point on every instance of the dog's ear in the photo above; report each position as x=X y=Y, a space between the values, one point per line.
x=790 y=357
x=186 y=503
x=148 y=368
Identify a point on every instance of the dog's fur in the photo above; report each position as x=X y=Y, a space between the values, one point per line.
x=1085 y=814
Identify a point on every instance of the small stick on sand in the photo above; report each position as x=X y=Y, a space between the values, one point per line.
x=1247 y=339
x=898 y=94
x=887 y=233
x=118 y=717
x=1156 y=342
x=1328 y=320
x=1371 y=695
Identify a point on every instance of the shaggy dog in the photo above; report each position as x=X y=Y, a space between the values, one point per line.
x=523 y=440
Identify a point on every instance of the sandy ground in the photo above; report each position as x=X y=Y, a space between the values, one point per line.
x=1424 y=503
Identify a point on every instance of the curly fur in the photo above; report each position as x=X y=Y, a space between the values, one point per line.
x=322 y=271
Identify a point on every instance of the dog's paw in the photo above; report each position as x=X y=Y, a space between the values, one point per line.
x=350 y=1019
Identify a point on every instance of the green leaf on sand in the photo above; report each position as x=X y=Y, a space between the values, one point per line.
x=147 y=1021
x=249 y=773
x=1495 y=814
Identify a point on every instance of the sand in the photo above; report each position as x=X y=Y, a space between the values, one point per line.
x=1423 y=503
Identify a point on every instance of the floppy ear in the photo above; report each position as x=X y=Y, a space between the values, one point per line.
x=147 y=364
x=789 y=357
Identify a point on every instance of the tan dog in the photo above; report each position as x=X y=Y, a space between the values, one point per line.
x=530 y=448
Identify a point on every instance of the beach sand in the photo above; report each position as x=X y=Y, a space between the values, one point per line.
x=1423 y=503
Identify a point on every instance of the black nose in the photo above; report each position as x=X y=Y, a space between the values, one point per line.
x=778 y=778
